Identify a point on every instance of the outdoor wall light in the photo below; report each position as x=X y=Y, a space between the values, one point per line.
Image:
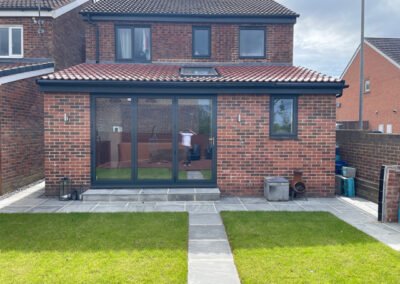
x=239 y=119
x=66 y=118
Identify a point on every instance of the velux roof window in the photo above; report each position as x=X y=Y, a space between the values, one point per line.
x=198 y=71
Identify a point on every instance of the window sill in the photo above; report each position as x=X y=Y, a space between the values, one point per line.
x=280 y=138
x=252 y=57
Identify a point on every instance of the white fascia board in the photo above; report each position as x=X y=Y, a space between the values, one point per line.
x=65 y=9
x=25 y=75
x=47 y=14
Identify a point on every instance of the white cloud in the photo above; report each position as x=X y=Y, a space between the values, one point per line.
x=328 y=32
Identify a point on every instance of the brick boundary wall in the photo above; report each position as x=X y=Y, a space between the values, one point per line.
x=21 y=134
x=392 y=196
x=368 y=152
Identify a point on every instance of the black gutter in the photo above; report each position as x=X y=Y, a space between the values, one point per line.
x=240 y=19
x=108 y=86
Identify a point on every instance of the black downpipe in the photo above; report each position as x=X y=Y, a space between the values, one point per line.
x=97 y=43
x=381 y=185
x=96 y=26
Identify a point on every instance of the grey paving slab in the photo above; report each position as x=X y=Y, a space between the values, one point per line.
x=212 y=272
x=154 y=191
x=207 y=232
x=251 y=200
x=207 y=190
x=205 y=219
x=230 y=207
x=259 y=207
x=53 y=202
x=29 y=202
x=210 y=250
x=287 y=207
x=170 y=208
x=110 y=208
x=15 y=209
x=196 y=175
x=201 y=209
x=228 y=200
x=45 y=209
x=153 y=197
x=83 y=207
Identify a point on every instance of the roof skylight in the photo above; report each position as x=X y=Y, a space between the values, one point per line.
x=198 y=71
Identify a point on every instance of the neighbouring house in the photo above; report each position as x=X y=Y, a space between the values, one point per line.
x=35 y=39
x=189 y=94
x=381 y=87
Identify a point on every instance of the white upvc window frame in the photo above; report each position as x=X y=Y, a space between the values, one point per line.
x=10 y=28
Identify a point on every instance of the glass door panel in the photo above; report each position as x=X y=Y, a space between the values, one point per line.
x=196 y=141
x=113 y=132
x=154 y=139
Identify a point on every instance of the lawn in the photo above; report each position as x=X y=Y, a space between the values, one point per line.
x=283 y=247
x=93 y=248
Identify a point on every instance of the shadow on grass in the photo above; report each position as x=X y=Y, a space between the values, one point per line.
x=93 y=232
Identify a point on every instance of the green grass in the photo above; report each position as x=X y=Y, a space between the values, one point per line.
x=283 y=247
x=93 y=248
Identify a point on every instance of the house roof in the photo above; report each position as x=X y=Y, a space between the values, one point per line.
x=46 y=5
x=171 y=73
x=388 y=46
x=12 y=68
x=208 y=8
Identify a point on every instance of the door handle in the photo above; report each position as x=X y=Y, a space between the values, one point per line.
x=212 y=140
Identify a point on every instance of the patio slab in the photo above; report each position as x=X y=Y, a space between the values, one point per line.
x=207 y=232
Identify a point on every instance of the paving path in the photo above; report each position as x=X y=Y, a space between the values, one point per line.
x=210 y=256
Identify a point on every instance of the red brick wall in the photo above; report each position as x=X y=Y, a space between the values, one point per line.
x=35 y=45
x=63 y=39
x=67 y=145
x=246 y=153
x=21 y=134
x=383 y=98
x=69 y=39
x=368 y=152
x=172 y=42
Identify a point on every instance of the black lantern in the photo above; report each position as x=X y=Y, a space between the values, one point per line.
x=65 y=189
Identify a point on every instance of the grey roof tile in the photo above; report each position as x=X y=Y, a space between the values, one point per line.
x=190 y=8
x=389 y=46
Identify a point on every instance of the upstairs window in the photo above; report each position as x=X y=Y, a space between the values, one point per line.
x=201 y=42
x=133 y=44
x=283 y=117
x=252 y=42
x=11 y=42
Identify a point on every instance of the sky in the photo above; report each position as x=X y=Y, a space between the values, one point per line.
x=327 y=32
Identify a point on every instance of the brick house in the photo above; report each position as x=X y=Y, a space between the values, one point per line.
x=178 y=94
x=32 y=44
x=381 y=86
